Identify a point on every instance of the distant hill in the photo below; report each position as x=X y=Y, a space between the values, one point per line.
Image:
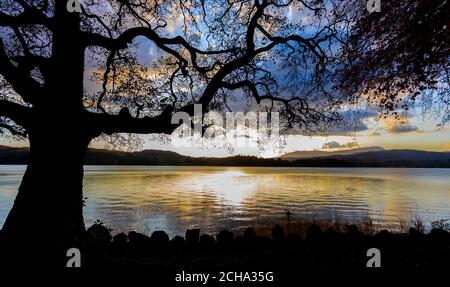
x=146 y=157
x=318 y=153
x=384 y=158
x=376 y=157
x=13 y=155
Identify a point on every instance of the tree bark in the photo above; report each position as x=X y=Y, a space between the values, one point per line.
x=49 y=204
x=50 y=201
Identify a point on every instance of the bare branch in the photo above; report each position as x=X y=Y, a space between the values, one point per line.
x=18 y=113
x=28 y=88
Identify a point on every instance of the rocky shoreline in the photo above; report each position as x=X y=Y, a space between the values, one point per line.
x=317 y=249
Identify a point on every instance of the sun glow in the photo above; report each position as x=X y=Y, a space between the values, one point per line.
x=232 y=186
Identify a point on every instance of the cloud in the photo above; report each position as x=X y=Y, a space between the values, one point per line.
x=375 y=134
x=336 y=145
x=404 y=128
x=446 y=147
x=397 y=125
x=348 y=129
x=353 y=121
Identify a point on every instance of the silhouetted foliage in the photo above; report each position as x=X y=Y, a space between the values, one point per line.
x=399 y=55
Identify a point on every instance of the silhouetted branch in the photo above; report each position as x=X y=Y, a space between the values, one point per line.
x=109 y=124
x=28 y=88
x=28 y=17
x=16 y=112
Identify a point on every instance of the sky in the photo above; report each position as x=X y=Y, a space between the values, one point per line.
x=416 y=130
x=413 y=131
x=423 y=135
x=419 y=134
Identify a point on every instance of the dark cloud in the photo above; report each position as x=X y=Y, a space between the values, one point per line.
x=353 y=121
x=348 y=129
x=403 y=129
x=397 y=125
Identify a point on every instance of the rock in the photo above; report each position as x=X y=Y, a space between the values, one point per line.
x=120 y=243
x=206 y=239
x=99 y=234
x=138 y=239
x=177 y=241
x=439 y=235
x=385 y=235
x=140 y=244
x=177 y=238
x=352 y=231
x=313 y=232
x=225 y=236
x=278 y=233
x=120 y=239
x=192 y=235
x=160 y=237
x=293 y=237
x=415 y=234
x=331 y=234
x=249 y=234
x=239 y=239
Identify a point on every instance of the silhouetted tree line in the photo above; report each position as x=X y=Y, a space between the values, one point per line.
x=392 y=158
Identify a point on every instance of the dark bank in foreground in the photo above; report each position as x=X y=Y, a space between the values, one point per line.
x=317 y=250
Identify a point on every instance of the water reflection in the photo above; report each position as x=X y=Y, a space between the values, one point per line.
x=211 y=198
x=214 y=198
x=233 y=187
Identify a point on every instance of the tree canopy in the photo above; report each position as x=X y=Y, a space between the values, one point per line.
x=305 y=59
x=399 y=56
x=206 y=52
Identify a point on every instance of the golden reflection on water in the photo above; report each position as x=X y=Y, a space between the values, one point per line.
x=212 y=198
x=233 y=187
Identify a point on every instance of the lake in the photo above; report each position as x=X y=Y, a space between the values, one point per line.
x=173 y=199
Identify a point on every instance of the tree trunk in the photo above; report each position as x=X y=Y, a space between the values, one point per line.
x=49 y=204
x=50 y=201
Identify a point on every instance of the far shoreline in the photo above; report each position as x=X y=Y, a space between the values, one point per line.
x=246 y=166
x=357 y=159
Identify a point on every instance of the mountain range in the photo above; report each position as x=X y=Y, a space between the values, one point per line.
x=361 y=157
x=319 y=153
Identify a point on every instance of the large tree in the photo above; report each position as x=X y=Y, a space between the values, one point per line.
x=215 y=50
x=273 y=54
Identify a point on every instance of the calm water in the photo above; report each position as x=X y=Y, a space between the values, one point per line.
x=212 y=198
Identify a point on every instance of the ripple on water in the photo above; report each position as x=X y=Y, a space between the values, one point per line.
x=174 y=198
